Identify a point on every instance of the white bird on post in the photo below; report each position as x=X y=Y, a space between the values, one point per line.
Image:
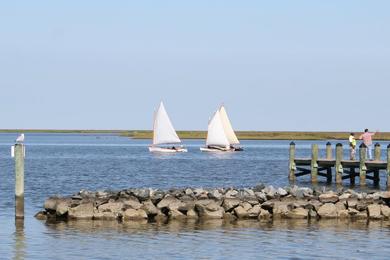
x=20 y=138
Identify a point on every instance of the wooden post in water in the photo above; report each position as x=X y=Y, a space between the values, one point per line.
x=329 y=157
x=291 y=165
x=314 y=163
x=338 y=166
x=19 y=181
x=377 y=157
x=377 y=152
x=328 y=151
x=362 y=165
x=388 y=166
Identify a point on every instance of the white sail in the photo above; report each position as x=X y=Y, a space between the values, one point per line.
x=216 y=134
x=227 y=126
x=163 y=131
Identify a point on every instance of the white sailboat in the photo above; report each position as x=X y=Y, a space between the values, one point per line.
x=164 y=133
x=220 y=134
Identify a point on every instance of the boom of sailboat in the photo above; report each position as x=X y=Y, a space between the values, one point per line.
x=220 y=134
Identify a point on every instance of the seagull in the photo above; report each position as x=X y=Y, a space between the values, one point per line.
x=20 y=138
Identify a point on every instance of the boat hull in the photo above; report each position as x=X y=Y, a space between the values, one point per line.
x=155 y=149
x=222 y=150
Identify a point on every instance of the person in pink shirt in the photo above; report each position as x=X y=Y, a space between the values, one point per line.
x=367 y=140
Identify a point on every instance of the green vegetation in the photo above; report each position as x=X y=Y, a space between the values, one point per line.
x=260 y=135
x=242 y=135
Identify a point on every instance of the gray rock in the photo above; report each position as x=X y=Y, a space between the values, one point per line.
x=82 y=211
x=231 y=194
x=298 y=213
x=281 y=192
x=258 y=188
x=191 y=214
x=254 y=211
x=230 y=203
x=241 y=213
x=280 y=209
x=374 y=211
x=132 y=202
x=345 y=196
x=264 y=215
x=51 y=204
x=352 y=203
x=361 y=205
x=170 y=203
x=329 y=197
x=385 y=211
x=134 y=214
x=340 y=205
x=142 y=194
x=149 y=208
x=113 y=207
x=177 y=215
x=343 y=214
x=209 y=209
x=188 y=192
x=249 y=192
x=41 y=215
x=63 y=206
x=215 y=194
x=328 y=210
x=270 y=191
x=261 y=196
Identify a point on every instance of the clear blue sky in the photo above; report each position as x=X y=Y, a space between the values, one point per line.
x=277 y=65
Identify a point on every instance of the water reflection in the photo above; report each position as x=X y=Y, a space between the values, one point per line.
x=101 y=226
x=19 y=240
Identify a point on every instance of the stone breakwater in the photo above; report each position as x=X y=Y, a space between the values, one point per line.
x=260 y=202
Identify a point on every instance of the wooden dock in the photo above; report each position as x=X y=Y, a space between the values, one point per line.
x=338 y=167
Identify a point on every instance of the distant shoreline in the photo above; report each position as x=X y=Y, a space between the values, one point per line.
x=242 y=135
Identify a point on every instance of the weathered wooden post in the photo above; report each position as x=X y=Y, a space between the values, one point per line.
x=328 y=151
x=314 y=163
x=291 y=165
x=329 y=157
x=377 y=157
x=338 y=167
x=362 y=165
x=377 y=152
x=19 y=181
x=388 y=166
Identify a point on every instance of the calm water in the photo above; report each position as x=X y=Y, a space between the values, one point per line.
x=64 y=164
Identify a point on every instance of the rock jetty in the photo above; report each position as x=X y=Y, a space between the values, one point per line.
x=260 y=202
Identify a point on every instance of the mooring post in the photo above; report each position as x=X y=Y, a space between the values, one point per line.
x=377 y=157
x=291 y=165
x=19 y=181
x=338 y=167
x=377 y=152
x=314 y=163
x=388 y=166
x=328 y=151
x=362 y=165
x=329 y=157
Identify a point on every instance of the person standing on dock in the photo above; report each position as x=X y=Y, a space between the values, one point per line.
x=352 y=146
x=367 y=140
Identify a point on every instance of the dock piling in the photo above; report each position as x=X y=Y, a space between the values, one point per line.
x=19 y=181
x=377 y=157
x=388 y=166
x=328 y=151
x=362 y=164
x=338 y=165
x=314 y=164
x=291 y=166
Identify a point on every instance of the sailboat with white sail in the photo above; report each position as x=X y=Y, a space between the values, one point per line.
x=164 y=134
x=220 y=134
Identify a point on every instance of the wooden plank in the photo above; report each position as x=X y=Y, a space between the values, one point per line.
x=302 y=161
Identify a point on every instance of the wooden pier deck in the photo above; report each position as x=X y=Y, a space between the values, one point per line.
x=338 y=168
